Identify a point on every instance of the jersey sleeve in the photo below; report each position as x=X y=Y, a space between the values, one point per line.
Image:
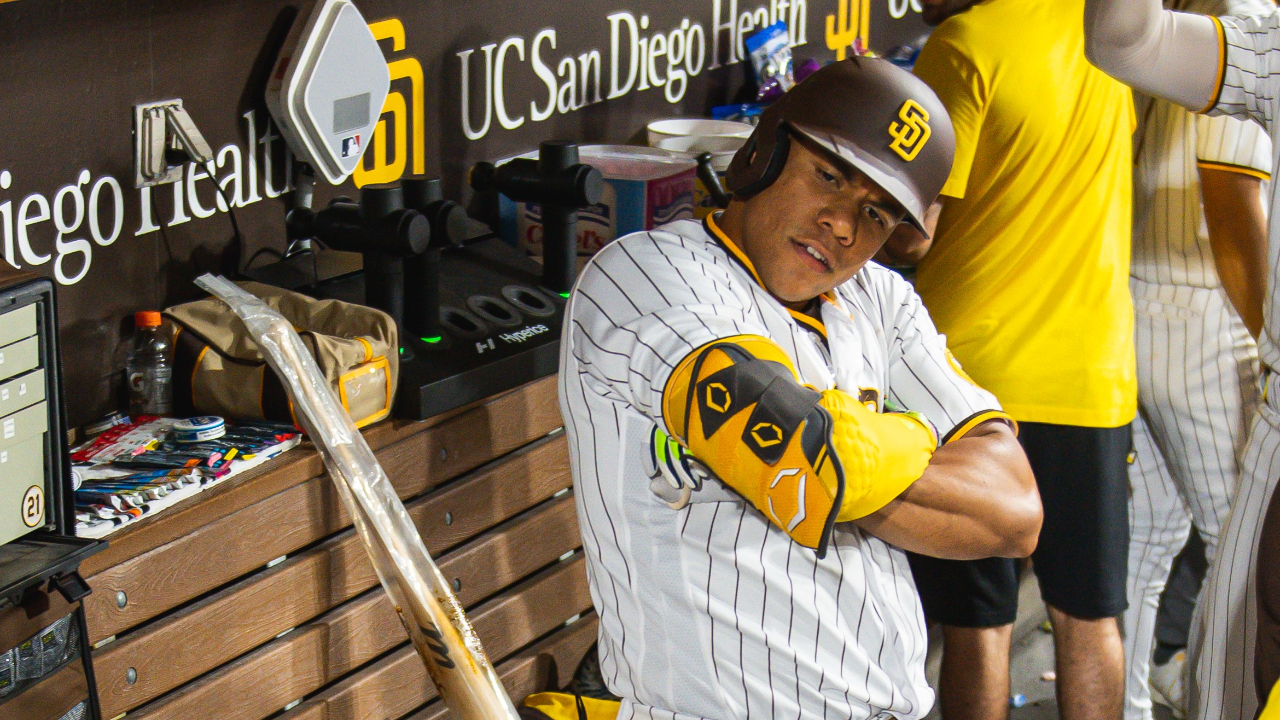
x=1227 y=143
x=923 y=374
x=1249 y=50
x=960 y=86
x=644 y=303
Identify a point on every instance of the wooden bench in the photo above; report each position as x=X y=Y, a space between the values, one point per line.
x=257 y=595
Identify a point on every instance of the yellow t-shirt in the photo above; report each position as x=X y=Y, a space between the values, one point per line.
x=1028 y=274
x=1271 y=711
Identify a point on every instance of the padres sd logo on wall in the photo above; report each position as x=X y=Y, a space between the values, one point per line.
x=849 y=28
x=384 y=162
x=33 y=506
x=912 y=133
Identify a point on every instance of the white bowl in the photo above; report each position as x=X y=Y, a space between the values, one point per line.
x=722 y=148
x=682 y=127
x=702 y=143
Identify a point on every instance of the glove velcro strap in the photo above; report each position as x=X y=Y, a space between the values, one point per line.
x=732 y=389
x=780 y=403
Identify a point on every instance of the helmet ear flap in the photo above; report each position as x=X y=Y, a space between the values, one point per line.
x=777 y=160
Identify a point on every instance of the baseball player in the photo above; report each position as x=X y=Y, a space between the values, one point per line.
x=743 y=480
x=1197 y=362
x=1219 y=66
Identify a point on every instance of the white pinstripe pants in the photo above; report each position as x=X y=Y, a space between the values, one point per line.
x=1197 y=367
x=1227 y=617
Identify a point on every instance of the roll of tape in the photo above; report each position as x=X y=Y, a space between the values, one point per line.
x=199 y=429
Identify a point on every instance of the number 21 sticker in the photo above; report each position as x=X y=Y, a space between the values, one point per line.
x=33 y=506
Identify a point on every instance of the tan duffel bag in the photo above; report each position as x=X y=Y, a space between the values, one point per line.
x=219 y=369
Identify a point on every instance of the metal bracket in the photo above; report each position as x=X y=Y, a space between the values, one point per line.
x=164 y=139
x=70 y=585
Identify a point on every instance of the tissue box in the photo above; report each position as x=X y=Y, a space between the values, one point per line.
x=643 y=188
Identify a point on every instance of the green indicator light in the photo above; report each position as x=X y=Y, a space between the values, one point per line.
x=401 y=351
x=564 y=295
x=435 y=339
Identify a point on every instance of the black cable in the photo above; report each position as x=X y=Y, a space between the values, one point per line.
x=241 y=266
x=160 y=226
x=260 y=251
x=231 y=212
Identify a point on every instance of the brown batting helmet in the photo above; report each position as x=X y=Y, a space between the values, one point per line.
x=877 y=117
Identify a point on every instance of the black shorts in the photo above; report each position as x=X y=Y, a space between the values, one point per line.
x=1082 y=558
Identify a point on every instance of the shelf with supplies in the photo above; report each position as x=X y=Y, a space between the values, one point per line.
x=262 y=575
x=136 y=469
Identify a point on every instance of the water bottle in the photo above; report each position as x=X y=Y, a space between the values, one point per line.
x=149 y=372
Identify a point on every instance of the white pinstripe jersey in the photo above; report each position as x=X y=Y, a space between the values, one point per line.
x=1250 y=87
x=1170 y=240
x=711 y=611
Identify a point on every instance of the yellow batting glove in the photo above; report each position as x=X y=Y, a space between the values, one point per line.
x=882 y=453
x=803 y=458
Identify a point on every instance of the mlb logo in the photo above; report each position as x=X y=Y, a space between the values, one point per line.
x=351 y=146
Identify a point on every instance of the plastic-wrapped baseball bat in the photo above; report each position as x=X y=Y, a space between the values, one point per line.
x=426 y=605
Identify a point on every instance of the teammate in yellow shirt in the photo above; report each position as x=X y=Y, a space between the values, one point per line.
x=1028 y=279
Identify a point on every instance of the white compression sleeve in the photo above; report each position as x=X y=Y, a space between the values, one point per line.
x=1159 y=52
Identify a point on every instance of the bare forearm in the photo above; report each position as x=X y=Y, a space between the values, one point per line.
x=1160 y=52
x=1237 y=225
x=1245 y=288
x=977 y=499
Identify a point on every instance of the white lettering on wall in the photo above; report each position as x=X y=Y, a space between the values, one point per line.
x=499 y=73
x=736 y=27
x=93 y=209
x=898 y=8
x=544 y=73
x=28 y=218
x=633 y=53
x=639 y=58
x=69 y=226
x=6 y=219
x=66 y=226
x=465 y=56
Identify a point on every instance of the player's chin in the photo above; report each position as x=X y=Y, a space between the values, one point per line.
x=798 y=282
x=804 y=292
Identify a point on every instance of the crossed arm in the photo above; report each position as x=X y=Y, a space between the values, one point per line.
x=976 y=499
x=973 y=497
